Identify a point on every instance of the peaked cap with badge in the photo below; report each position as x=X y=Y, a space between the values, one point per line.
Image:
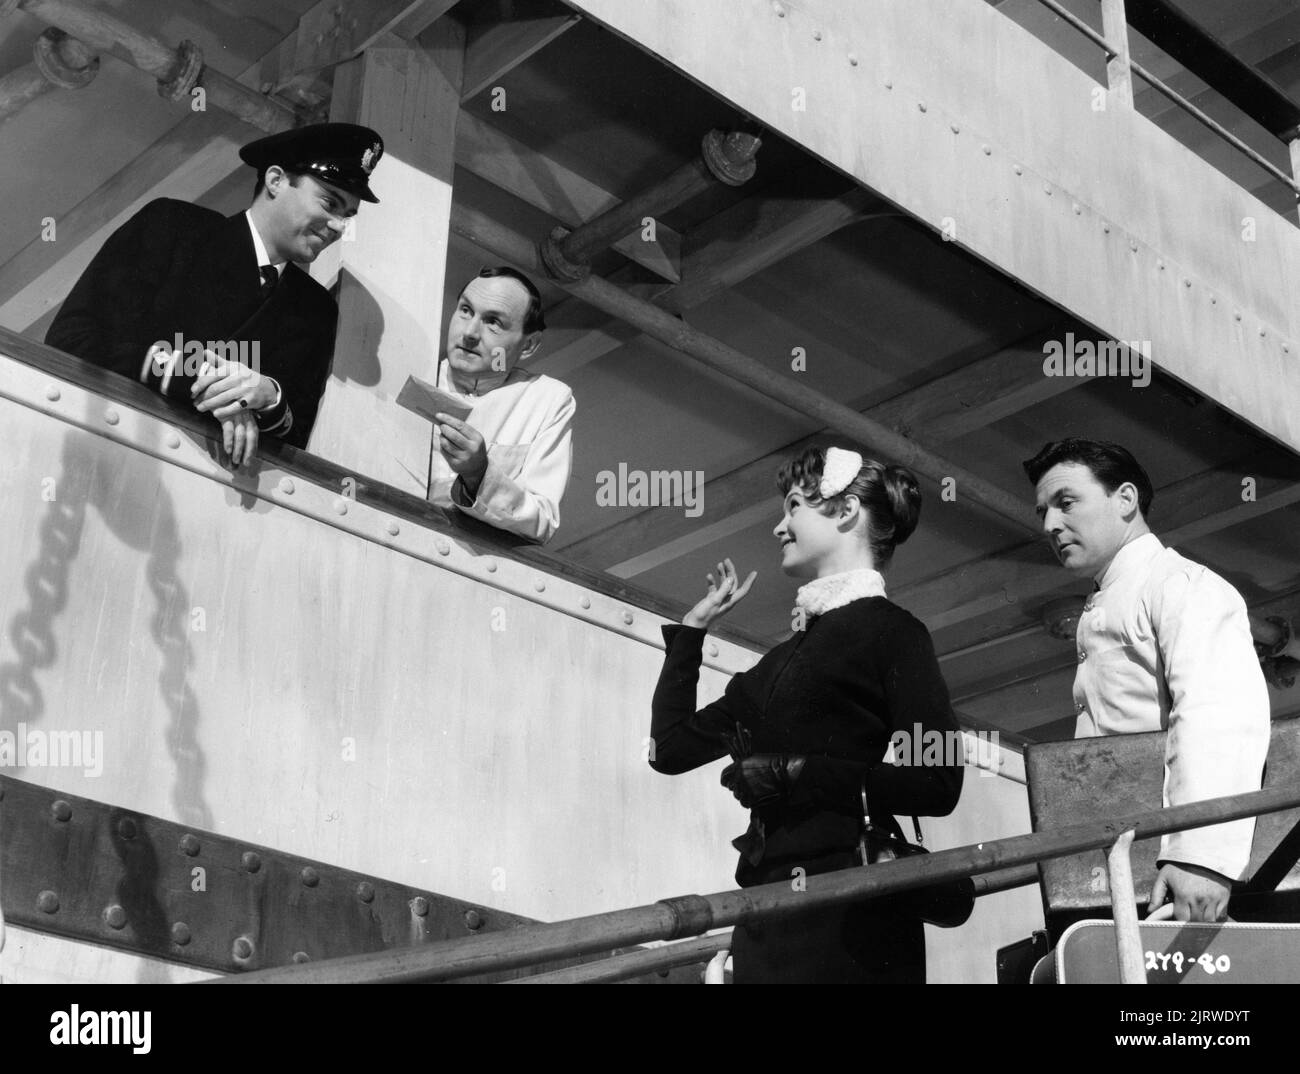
x=341 y=154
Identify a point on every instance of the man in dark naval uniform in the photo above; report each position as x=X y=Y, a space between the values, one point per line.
x=216 y=311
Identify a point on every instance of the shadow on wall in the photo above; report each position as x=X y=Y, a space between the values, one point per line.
x=148 y=526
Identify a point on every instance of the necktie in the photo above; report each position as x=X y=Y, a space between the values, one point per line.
x=269 y=279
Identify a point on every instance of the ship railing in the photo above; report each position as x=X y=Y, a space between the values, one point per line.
x=1256 y=95
x=994 y=866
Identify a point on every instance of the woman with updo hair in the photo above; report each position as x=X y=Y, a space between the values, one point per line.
x=808 y=726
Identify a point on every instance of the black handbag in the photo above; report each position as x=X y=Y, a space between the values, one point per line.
x=945 y=905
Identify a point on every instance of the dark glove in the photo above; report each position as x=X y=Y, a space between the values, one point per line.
x=762 y=778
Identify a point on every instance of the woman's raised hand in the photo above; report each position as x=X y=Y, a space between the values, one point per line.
x=725 y=592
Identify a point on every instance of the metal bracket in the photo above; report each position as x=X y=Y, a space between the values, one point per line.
x=102 y=874
x=559 y=266
x=189 y=66
x=47 y=54
x=730 y=157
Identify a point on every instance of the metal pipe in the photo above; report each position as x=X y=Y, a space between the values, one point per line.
x=178 y=71
x=692 y=915
x=684 y=952
x=723 y=158
x=635 y=963
x=789 y=391
x=1123 y=908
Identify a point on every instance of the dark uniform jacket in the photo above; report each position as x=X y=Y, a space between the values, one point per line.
x=180 y=268
x=836 y=692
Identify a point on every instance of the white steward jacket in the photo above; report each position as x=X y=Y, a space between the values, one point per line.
x=1164 y=644
x=527 y=424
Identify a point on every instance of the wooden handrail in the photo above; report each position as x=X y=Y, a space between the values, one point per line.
x=692 y=915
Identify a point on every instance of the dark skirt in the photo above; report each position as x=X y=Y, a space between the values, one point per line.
x=854 y=944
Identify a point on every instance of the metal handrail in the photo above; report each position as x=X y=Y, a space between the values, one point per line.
x=693 y=915
x=1174 y=96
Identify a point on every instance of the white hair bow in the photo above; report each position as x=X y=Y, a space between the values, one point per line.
x=841 y=468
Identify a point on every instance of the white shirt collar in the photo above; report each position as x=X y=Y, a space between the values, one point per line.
x=1135 y=554
x=259 y=247
x=821 y=595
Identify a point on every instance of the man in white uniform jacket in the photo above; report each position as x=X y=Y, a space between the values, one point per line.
x=1163 y=643
x=508 y=462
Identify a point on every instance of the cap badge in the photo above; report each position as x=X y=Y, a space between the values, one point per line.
x=369 y=157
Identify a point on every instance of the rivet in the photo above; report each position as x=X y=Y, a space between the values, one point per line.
x=1105 y=228
x=301 y=956
x=250 y=860
x=420 y=906
x=584 y=601
x=954 y=128
x=921 y=106
x=491 y=566
x=1132 y=245
x=988 y=150
x=114 y=916
x=126 y=828
x=853 y=60
x=780 y=11
x=341 y=506
x=180 y=934
x=286 y=485
x=889 y=84
x=393 y=528
x=1047 y=189
x=817 y=35
x=1236 y=315
x=112 y=416
x=310 y=877
x=540 y=585
x=627 y=618
x=713 y=649
x=173 y=441
x=189 y=845
x=61 y=810
x=473 y=920
x=47 y=902
x=242 y=948
x=1286 y=349
x=1018 y=170
x=366 y=891
x=1262 y=333
x=1160 y=263
x=53 y=394
x=1078 y=209
x=1214 y=300
x=1187 y=282
x=443 y=547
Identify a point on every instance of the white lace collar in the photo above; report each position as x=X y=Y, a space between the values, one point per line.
x=821 y=595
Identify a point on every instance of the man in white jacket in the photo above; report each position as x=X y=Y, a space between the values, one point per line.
x=508 y=461
x=1163 y=644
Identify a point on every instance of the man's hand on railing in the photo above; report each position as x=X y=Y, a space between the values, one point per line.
x=1198 y=894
